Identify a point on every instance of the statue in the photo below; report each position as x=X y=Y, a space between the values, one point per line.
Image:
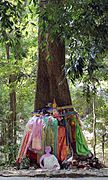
x=50 y=161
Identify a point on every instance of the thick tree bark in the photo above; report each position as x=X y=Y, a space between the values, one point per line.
x=51 y=80
x=58 y=83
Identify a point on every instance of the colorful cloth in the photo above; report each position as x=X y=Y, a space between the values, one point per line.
x=50 y=133
x=40 y=132
x=76 y=137
x=32 y=137
x=62 y=146
x=44 y=131
x=23 y=146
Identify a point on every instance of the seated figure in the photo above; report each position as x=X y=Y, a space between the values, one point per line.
x=49 y=160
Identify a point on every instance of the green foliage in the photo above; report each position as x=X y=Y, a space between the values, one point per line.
x=20 y=35
x=86 y=113
x=83 y=26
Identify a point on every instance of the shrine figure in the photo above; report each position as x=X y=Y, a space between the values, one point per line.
x=49 y=160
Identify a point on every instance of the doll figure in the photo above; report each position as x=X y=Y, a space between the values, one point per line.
x=49 y=160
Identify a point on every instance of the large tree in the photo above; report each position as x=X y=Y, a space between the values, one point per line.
x=83 y=26
x=51 y=80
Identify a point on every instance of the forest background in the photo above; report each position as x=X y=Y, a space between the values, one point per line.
x=83 y=25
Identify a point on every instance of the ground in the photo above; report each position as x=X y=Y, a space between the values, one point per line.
x=28 y=178
x=39 y=174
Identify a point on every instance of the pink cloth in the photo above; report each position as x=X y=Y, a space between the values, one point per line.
x=35 y=138
x=37 y=134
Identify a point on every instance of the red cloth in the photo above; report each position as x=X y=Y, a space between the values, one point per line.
x=32 y=155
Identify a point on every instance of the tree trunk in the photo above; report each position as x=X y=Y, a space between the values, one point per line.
x=94 y=127
x=103 y=144
x=51 y=81
x=12 y=118
x=12 y=79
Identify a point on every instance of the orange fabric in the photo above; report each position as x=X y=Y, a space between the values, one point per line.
x=23 y=146
x=62 y=147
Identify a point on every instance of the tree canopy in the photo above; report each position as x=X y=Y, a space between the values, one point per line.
x=84 y=28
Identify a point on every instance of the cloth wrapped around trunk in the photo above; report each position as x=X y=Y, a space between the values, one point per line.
x=76 y=136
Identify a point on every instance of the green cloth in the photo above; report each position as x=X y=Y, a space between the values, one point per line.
x=51 y=133
x=81 y=144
